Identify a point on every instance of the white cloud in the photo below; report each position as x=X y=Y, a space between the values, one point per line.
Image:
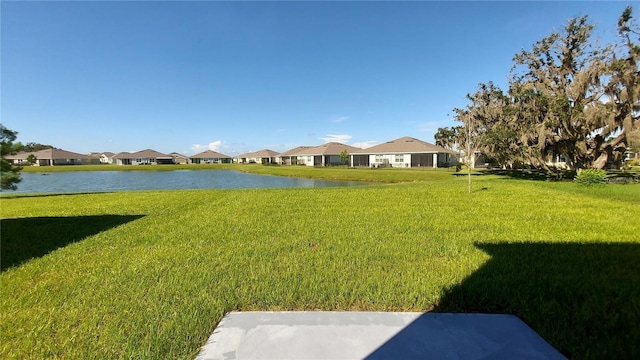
x=337 y=138
x=340 y=119
x=211 y=146
x=365 y=144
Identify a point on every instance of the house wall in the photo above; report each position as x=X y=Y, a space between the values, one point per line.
x=446 y=160
x=66 y=161
x=405 y=160
x=268 y=160
x=424 y=160
x=305 y=160
x=144 y=161
x=209 y=160
x=332 y=160
x=181 y=160
x=121 y=161
x=291 y=160
x=393 y=160
x=360 y=160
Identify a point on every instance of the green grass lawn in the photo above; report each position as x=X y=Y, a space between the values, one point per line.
x=150 y=274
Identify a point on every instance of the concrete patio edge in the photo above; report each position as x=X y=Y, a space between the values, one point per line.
x=373 y=335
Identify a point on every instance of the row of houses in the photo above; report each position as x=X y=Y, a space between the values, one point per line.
x=406 y=152
x=53 y=157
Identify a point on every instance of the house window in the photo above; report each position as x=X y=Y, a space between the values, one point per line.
x=399 y=158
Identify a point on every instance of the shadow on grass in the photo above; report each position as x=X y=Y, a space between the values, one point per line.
x=473 y=174
x=532 y=174
x=37 y=195
x=27 y=238
x=584 y=299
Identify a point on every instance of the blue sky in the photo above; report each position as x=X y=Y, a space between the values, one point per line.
x=244 y=76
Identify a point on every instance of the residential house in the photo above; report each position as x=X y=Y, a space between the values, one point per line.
x=405 y=152
x=121 y=158
x=106 y=157
x=50 y=157
x=210 y=157
x=323 y=155
x=101 y=157
x=290 y=157
x=180 y=158
x=143 y=157
x=265 y=156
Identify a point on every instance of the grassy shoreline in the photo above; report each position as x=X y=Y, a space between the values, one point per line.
x=149 y=274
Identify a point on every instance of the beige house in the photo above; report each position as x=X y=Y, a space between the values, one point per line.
x=103 y=157
x=107 y=157
x=265 y=156
x=143 y=157
x=405 y=152
x=210 y=157
x=50 y=157
x=180 y=158
x=290 y=157
x=323 y=155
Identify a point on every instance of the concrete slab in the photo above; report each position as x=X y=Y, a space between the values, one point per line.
x=373 y=335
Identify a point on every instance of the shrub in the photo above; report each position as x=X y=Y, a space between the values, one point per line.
x=591 y=177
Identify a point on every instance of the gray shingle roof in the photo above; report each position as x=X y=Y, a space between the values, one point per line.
x=295 y=151
x=148 y=154
x=266 y=153
x=142 y=154
x=404 y=145
x=122 y=155
x=210 y=154
x=48 y=154
x=331 y=148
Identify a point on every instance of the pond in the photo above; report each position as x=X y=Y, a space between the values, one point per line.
x=103 y=181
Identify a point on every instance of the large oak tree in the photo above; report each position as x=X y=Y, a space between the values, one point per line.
x=567 y=97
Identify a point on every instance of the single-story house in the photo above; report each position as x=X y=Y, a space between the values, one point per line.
x=180 y=158
x=210 y=157
x=405 y=152
x=102 y=157
x=107 y=157
x=143 y=157
x=322 y=155
x=290 y=157
x=50 y=157
x=265 y=156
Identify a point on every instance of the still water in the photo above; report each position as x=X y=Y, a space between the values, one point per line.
x=100 y=181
